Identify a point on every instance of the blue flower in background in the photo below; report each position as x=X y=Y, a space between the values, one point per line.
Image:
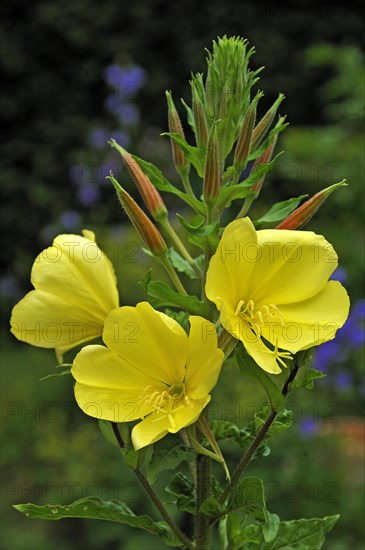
x=88 y=195
x=98 y=138
x=307 y=426
x=71 y=220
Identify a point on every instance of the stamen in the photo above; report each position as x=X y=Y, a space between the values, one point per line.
x=165 y=402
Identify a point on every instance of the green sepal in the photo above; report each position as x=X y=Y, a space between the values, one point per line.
x=95 y=508
x=279 y=211
x=66 y=372
x=247 y=365
x=193 y=154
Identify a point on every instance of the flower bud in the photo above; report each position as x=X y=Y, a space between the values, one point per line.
x=182 y=165
x=303 y=213
x=243 y=146
x=201 y=127
x=148 y=232
x=265 y=123
x=151 y=197
x=212 y=169
x=264 y=158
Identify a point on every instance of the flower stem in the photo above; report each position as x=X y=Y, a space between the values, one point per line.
x=166 y=516
x=245 y=208
x=202 y=525
x=256 y=442
x=186 y=183
x=153 y=496
x=173 y=275
x=179 y=244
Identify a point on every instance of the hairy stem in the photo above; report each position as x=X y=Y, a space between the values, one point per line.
x=256 y=442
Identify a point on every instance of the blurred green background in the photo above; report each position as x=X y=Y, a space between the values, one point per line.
x=80 y=72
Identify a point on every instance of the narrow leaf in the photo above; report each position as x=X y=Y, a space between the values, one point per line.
x=280 y=211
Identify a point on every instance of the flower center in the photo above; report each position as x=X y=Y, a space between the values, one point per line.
x=265 y=314
x=165 y=402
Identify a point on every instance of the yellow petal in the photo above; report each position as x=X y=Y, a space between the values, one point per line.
x=75 y=290
x=292 y=266
x=259 y=352
x=108 y=387
x=204 y=359
x=149 y=340
x=310 y=322
x=44 y=320
x=76 y=271
x=156 y=425
x=231 y=266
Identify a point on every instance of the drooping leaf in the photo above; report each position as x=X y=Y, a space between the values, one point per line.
x=183 y=489
x=300 y=534
x=181 y=264
x=248 y=365
x=279 y=211
x=95 y=508
x=107 y=430
x=167 y=455
x=307 y=381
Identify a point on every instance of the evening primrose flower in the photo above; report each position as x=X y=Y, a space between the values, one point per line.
x=75 y=289
x=150 y=370
x=272 y=290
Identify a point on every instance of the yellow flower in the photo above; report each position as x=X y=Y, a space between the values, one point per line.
x=151 y=370
x=272 y=286
x=75 y=289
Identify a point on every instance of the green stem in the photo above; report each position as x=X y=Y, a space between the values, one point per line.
x=256 y=442
x=245 y=208
x=160 y=507
x=179 y=244
x=227 y=343
x=202 y=524
x=186 y=183
x=173 y=275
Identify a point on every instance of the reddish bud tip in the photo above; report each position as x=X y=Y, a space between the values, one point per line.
x=148 y=232
x=212 y=169
x=303 y=213
x=180 y=161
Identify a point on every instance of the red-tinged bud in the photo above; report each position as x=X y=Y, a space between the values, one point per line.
x=303 y=213
x=264 y=158
x=243 y=146
x=182 y=165
x=201 y=127
x=148 y=232
x=212 y=169
x=151 y=197
x=265 y=123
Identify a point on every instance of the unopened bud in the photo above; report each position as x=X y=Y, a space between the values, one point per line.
x=265 y=123
x=264 y=158
x=148 y=232
x=151 y=197
x=182 y=165
x=243 y=146
x=303 y=213
x=212 y=169
x=201 y=127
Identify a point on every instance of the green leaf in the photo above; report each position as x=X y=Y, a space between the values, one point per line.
x=167 y=455
x=66 y=372
x=194 y=154
x=181 y=264
x=249 y=496
x=308 y=381
x=95 y=508
x=280 y=211
x=190 y=115
x=194 y=226
x=301 y=534
x=212 y=508
x=283 y=420
x=162 y=184
x=160 y=294
x=223 y=429
x=106 y=429
x=183 y=489
x=230 y=193
x=201 y=235
x=248 y=365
